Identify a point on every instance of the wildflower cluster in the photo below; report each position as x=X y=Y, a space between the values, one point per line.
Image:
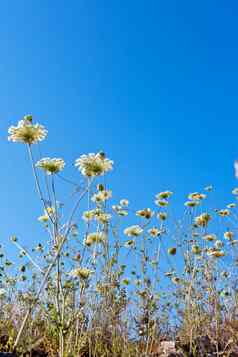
x=105 y=261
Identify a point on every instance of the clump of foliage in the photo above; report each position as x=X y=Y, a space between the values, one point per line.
x=108 y=280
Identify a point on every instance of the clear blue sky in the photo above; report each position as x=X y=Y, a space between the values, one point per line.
x=152 y=83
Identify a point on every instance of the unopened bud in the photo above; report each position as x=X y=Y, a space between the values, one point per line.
x=13 y=238
x=28 y=117
x=100 y=187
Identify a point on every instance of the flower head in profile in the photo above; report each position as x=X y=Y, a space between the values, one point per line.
x=26 y=132
x=50 y=210
x=228 y=235
x=92 y=165
x=95 y=237
x=169 y=274
x=51 y=166
x=209 y=237
x=235 y=191
x=133 y=231
x=196 y=196
x=44 y=218
x=103 y=217
x=219 y=244
x=224 y=212
x=124 y=202
x=130 y=244
x=88 y=215
x=154 y=232
x=161 y=203
x=162 y=216
x=175 y=280
x=145 y=213
x=120 y=211
x=102 y=196
x=96 y=214
x=82 y=273
x=231 y=205
x=191 y=204
x=164 y=195
x=216 y=253
x=203 y=219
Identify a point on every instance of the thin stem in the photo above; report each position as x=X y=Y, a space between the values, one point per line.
x=68 y=181
x=37 y=181
x=45 y=176
x=28 y=255
x=75 y=209
x=56 y=255
x=38 y=293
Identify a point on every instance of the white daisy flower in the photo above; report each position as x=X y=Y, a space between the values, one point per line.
x=133 y=231
x=203 y=219
x=224 y=212
x=154 y=232
x=102 y=196
x=231 y=205
x=124 y=203
x=27 y=132
x=129 y=244
x=51 y=166
x=161 y=203
x=196 y=196
x=95 y=237
x=88 y=215
x=218 y=244
x=146 y=213
x=121 y=212
x=103 y=217
x=228 y=235
x=209 y=237
x=191 y=203
x=82 y=273
x=216 y=253
x=43 y=218
x=94 y=164
x=164 y=195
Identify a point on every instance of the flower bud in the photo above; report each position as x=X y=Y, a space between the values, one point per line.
x=13 y=238
x=28 y=117
x=100 y=187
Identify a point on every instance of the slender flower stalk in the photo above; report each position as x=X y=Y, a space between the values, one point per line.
x=38 y=187
x=14 y=241
x=38 y=293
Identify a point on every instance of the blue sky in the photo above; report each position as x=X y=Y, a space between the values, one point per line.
x=153 y=84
